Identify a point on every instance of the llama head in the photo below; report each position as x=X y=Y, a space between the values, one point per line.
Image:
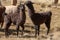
x=21 y=7
x=29 y=4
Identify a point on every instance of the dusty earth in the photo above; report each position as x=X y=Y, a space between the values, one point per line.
x=30 y=31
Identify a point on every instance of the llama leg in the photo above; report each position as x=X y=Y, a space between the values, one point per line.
x=36 y=30
x=47 y=23
x=7 y=25
x=22 y=29
x=17 y=29
x=1 y=24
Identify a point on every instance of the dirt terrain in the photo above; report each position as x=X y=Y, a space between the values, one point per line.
x=29 y=27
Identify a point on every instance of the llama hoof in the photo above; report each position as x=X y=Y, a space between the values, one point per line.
x=6 y=36
x=35 y=36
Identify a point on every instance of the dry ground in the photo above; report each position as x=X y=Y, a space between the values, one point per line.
x=29 y=30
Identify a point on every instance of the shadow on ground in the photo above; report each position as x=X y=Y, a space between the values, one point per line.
x=13 y=32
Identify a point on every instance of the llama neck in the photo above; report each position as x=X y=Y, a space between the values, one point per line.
x=22 y=14
x=31 y=11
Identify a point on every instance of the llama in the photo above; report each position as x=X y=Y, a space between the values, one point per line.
x=38 y=18
x=2 y=12
x=16 y=17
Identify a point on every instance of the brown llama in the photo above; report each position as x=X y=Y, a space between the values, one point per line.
x=2 y=11
x=16 y=17
x=38 y=18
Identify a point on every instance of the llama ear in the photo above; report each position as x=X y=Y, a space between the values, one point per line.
x=26 y=3
x=32 y=3
x=29 y=2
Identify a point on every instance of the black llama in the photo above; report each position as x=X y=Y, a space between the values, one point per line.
x=2 y=12
x=38 y=18
x=17 y=19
